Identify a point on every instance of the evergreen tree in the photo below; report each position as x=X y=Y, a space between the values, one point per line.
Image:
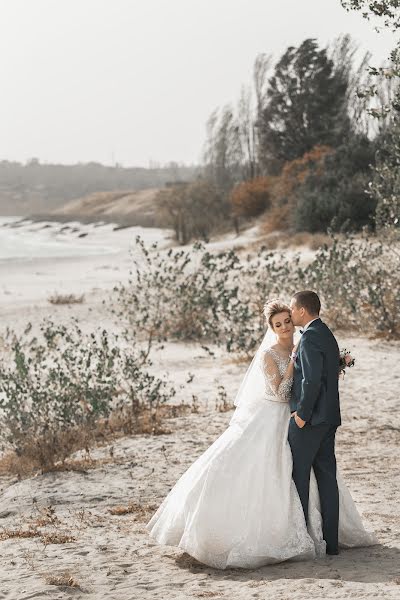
x=385 y=183
x=337 y=195
x=306 y=106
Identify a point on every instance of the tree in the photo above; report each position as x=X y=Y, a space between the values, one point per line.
x=247 y=118
x=223 y=151
x=251 y=198
x=232 y=141
x=343 y=52
x=385 y=182
x=171 y=210
x=193 y=210
x=247 y=134
x=289 y=182
x=387 y=9
x=306 y=105
x=336 y=196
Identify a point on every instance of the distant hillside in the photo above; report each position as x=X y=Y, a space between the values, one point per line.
x=126 y=208
x=40 y=189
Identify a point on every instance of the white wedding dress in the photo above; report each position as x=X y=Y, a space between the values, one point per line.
x=237 y=504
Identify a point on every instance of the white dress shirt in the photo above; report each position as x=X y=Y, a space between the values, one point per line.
x=309 y=323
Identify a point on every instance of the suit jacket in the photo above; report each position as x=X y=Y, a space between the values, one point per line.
x=315 y=391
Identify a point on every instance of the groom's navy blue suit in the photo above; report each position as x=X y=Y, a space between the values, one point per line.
x=315 y=397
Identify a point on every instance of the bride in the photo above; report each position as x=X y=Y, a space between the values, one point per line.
x=237 y=504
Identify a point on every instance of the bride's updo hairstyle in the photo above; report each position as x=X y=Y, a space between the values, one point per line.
x=272 y=308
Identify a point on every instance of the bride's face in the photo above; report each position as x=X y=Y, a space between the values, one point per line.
x=282 y=325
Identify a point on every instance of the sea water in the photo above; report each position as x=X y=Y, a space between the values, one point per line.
x=25 y=240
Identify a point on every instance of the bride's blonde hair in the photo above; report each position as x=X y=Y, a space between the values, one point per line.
x=274 y=307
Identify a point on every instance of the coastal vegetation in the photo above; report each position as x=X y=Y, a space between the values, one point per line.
x=311 y=148
x=63 y=390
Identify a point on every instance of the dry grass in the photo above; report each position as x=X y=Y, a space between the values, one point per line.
x=29 y=529
x=312 y=240
x=222 y=404
x=47 y=516
x=195 y=404
x=66 y=299
x=7 y=534
x=83 y=465
x=53 y=453
x=237 y=359
x=275 y=219
x=64 y=579
x=281 y=240
x=185 y=561
x=46 y=453
x=54 y=537
x=25 y=466
x=57 y=537
x=140 y=511
x=146 y=420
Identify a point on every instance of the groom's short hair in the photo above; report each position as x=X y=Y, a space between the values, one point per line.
x=308 y=300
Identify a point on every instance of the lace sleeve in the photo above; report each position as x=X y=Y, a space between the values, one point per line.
x=279 y=385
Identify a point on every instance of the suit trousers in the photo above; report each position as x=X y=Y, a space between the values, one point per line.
x=314 y=446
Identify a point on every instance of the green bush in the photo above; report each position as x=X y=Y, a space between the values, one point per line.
x=217 y=298
x=338 y=197
x=211 y=297
x=68 y=381
x=359 y=281
x=348 y=206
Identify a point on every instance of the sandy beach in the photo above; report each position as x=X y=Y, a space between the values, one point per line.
x=110 y=556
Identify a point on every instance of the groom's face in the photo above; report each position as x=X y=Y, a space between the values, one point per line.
x=297 y=313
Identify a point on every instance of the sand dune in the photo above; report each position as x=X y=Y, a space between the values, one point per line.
x=120 y=206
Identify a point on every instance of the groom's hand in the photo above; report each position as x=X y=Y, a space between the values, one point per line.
x=299 y=422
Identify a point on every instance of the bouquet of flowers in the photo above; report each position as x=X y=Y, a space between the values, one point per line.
x=346 y=361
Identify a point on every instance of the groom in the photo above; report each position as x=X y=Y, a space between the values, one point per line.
x=315 y=409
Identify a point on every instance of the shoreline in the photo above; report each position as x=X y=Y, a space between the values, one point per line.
x=37 y=263
x=120 y=221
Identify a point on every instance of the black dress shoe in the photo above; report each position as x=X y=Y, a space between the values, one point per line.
x=332 y=551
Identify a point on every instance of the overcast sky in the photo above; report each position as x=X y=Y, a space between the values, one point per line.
x=135 y=80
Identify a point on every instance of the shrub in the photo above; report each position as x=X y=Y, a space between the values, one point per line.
x=66 y=299
x=251 y=198
x=287 y=184
x=385 y=183
x=314 y=211
x=193 y=210
x=337 y=196
x=55 y=390
x=359 y=280
x=218 y=297
x=212 y=297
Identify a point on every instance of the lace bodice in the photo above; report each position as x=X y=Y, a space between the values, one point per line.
x=273 y=366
